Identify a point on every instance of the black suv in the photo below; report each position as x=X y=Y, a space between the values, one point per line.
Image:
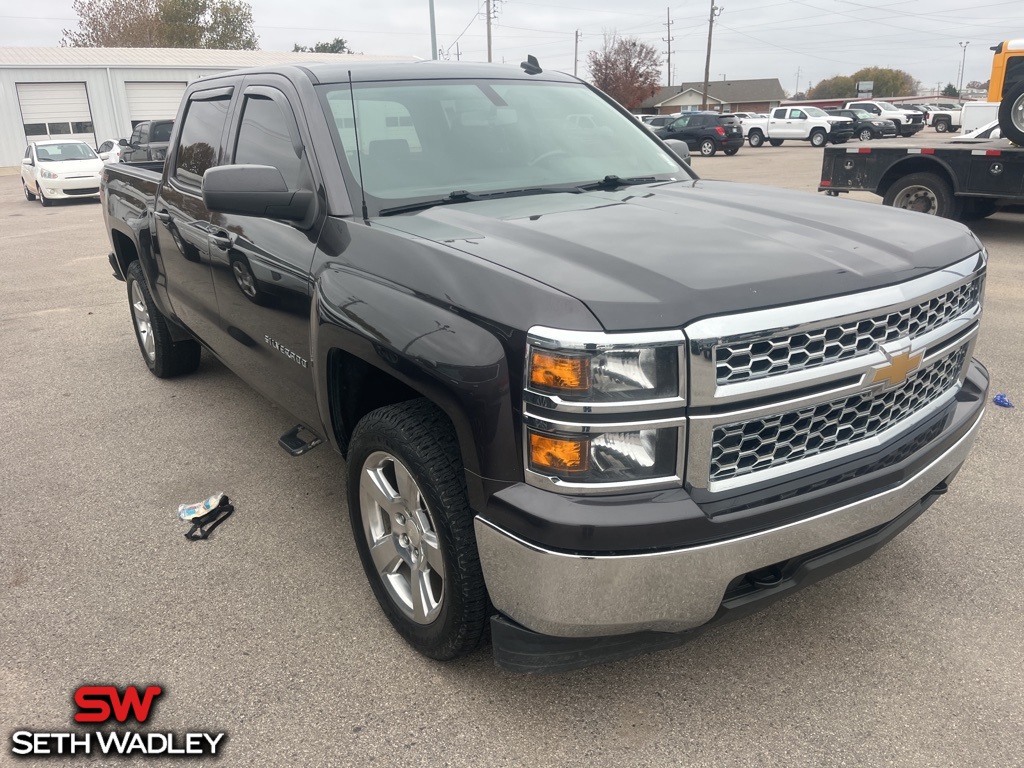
x=865 y=125
x=705 y=132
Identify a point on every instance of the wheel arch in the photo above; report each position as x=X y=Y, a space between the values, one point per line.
x=916 y=164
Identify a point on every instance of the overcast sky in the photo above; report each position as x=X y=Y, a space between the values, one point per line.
x=752 y=38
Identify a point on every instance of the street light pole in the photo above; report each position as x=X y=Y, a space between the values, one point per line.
x=963 y=62
x=433 y=33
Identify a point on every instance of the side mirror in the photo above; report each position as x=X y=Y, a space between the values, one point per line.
x=104 y=155
x=679 y=149
x=254 y=190
x=122 y=142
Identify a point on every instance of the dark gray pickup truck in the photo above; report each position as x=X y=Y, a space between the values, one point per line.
x=588 y=401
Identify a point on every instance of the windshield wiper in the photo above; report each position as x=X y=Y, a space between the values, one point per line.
x=462 y=196
x=614 y=182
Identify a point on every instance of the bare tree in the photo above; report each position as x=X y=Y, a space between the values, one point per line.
x=625 y=68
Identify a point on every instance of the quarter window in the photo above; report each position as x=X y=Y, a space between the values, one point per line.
x=199 y=142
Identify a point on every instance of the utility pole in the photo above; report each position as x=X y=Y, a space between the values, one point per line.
x=576 y=52
x=488 y=30
x=458 y=53
x=433 y=32
x=668 y=41
x=715 y=11
x=797 y=81
x=960 y=77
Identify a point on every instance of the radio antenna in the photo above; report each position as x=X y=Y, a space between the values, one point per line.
x=359 y=154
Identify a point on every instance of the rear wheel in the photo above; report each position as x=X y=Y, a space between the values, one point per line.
x=925 y=193
x=708 y=148
x=818 y=138
x=941 y=126
x=1011 y=115
x=28 y=195
x=413 y=528
x=164 y=357
x=866 y=134
x=977 y=208
x=755 y=138
x=731 y=150
x=775 y=142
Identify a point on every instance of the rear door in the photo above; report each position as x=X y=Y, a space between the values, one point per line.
x=261 y=266
x=183 y=223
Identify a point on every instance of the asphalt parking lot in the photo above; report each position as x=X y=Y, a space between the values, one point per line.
x=269 y=632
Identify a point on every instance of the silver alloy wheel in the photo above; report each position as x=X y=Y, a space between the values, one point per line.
x=245 y=278
x=1017 y=113
x=707 y=148
x=866 y=135
x=143 y=325
x=917 y=198
x=402 y=537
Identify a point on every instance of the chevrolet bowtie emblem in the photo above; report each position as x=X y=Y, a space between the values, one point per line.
x=900 y=366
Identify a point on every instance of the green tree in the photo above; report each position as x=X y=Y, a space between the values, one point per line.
x=950 y=91
x=224 y=24
x=625 y=68
x=337 y=45
x=838 y=87
x=888 y=82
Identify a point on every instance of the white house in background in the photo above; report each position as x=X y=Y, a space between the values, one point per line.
x=95 y=94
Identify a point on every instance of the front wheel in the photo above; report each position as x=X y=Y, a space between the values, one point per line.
x=775 y=142
x=865 y=134
x=1011 y=115
x=164 y=356
x=43 y=199
x=413 y=528
x=28 y=195
x=755 y=138
x=925 y=193
x=818 y=139
x=707 y=148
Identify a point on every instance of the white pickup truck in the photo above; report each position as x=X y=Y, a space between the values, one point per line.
x=908 y=121
x=801 y=123
x=945 y=119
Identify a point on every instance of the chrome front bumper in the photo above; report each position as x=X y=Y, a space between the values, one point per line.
x=566 y=595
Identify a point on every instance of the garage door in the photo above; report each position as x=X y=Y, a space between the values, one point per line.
x=56 y=111
x=153 y=101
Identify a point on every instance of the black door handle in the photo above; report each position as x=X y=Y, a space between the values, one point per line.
x=223 y=240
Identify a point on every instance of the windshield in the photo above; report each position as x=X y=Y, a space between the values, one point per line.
x=886 y=107
x=426 y=139
x=815 y=112
x=54 y=153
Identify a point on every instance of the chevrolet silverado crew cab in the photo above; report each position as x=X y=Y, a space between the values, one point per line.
x=908 y=121
x=587 y=401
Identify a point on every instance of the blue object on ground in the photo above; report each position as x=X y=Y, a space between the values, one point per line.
x=1002 y=400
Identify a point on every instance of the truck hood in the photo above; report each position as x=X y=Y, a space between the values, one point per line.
x=661 y=256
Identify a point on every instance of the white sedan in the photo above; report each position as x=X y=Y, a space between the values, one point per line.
x=59 y=170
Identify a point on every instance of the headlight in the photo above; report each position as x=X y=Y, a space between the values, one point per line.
x=574 y=381
x=48 y=174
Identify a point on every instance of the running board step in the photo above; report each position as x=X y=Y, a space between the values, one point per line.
x=295 y=445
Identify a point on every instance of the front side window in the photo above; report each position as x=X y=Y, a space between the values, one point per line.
x=426 y=139
x=779 y=114
x=199 y=142
x=264 y=139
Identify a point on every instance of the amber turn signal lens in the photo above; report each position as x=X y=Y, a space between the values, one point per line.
x=558 y=372
x=558 y=454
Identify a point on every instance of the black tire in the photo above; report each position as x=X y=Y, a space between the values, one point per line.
x=28 y=195
x=840 y=141
x=731 y=150
x=755 y=138
x=866 y=134
x=977 y=208
x=43 y=199
x=818 y=138
x=707 y=148
x=775 y=142
x=1011 y=115
x=419 y=436
x=925 y=193
x=941 y=126
x=166 y=358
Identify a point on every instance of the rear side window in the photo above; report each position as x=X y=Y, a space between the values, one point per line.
x=264 y=139
x=199 y=142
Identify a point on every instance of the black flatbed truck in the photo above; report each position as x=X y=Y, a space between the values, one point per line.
x=962 y=179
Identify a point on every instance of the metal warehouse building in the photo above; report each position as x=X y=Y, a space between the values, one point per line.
x=95 y=94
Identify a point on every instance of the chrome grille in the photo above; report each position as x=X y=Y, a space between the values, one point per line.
x=756 y=359
x=744 y=447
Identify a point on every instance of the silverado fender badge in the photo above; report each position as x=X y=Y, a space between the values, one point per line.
x=902 y=363
x=287 y=352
